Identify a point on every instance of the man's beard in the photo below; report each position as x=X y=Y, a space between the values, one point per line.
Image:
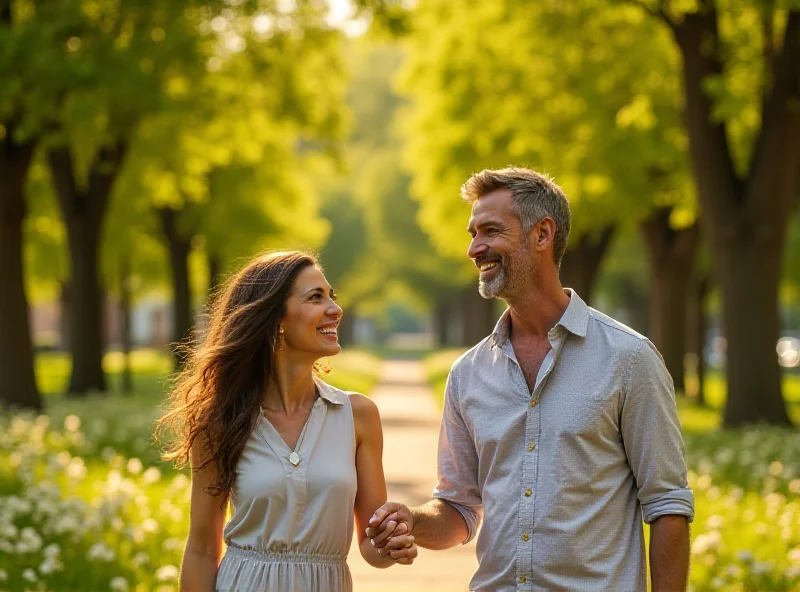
x=509 y=279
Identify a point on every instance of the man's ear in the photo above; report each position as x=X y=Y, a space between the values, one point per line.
x=544 y=233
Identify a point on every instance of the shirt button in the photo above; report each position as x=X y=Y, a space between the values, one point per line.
x=531 y=446
x=525 y=537
x=533 y=402
x=528 y=492
x=522 y=579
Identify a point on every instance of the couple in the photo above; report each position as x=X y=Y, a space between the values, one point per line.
x=558 y=430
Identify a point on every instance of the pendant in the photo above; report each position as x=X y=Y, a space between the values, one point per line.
x=294 y=458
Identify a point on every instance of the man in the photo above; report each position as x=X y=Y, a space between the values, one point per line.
x=560 y=427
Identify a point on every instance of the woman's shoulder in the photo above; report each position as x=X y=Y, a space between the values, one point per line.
x=362 y=405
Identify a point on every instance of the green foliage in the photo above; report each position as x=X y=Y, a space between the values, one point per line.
x=377 y=252
x=591 y=97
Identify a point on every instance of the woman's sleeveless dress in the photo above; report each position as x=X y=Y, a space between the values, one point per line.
x=292 y=526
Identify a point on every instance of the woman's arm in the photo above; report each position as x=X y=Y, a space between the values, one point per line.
x=372 y=484
x=204 y=545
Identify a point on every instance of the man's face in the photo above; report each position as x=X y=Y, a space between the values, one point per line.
x=499 y=247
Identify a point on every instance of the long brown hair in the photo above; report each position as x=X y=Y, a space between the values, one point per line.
x=217 y=395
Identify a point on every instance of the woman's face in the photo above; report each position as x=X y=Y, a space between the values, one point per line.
x=312 y=316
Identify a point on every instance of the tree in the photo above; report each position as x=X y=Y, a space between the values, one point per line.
x=224 y=169
x=567 y=90
x=130 y=58
x=672 y=254
x=16 y=360
x=741 y=84
x=25 y=102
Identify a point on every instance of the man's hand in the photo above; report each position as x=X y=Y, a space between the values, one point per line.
x=390 y=520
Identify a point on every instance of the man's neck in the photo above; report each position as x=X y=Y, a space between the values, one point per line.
x=538 y=311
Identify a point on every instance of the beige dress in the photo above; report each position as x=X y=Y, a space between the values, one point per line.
x=292 y=525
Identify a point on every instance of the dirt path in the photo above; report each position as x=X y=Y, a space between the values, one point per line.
x=410 y=417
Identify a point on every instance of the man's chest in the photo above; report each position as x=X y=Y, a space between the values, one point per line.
x=530 y=355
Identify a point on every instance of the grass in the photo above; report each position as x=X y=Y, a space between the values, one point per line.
x=354 y=370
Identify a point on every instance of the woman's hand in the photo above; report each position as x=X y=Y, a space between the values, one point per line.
x=402 y=549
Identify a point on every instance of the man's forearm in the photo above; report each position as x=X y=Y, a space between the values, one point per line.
x=669 y=554
x=438 y=525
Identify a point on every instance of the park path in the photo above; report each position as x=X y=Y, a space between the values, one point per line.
x=410 y=417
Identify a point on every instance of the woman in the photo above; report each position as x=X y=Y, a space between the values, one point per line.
x=296 y=457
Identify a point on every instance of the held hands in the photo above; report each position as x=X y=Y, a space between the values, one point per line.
x=389 y=531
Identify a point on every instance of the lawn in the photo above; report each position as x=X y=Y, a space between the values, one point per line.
x=746 y=533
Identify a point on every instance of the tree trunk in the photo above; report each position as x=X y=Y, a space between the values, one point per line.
x=442 y=316
x=696 y=330
x=346 y=327
x=214 y=276
x=582 y=260
x=125 y=323
x=17 y=378
x=84 y=211
x=749 y=279
x=672 y=255
x=745 y=218
x=478 y=316
x=179 y=246
x=63 y=321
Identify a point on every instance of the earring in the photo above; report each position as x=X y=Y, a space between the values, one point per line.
x=278 y=344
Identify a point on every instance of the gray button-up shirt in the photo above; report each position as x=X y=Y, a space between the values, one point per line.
x=563 y=474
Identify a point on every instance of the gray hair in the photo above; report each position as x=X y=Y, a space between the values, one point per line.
x=534 y=196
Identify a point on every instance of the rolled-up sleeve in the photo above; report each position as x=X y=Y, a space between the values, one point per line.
x=458 y=462
x=651 y=434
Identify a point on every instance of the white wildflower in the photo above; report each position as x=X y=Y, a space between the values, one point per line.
x=705 y=542
x=76 y=469
x=135 y=466
x=119 y=584
x=50 y=565
x=745 y=556
x=794 y=556
x=29 y=575
x=760 y=568
x=150 y=526
x=704 y=481
x=72 y=423
x=100 y=552
x=167 y=573
x=31 y=539
x=140 y=559
x=151 y=475
x=714 y=522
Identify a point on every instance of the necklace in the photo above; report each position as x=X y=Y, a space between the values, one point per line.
x=293 y=457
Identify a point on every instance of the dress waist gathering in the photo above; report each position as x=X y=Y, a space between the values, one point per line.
x=285 y=556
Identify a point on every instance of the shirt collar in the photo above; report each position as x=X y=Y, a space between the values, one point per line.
x=575 y=320
x=329 y=393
